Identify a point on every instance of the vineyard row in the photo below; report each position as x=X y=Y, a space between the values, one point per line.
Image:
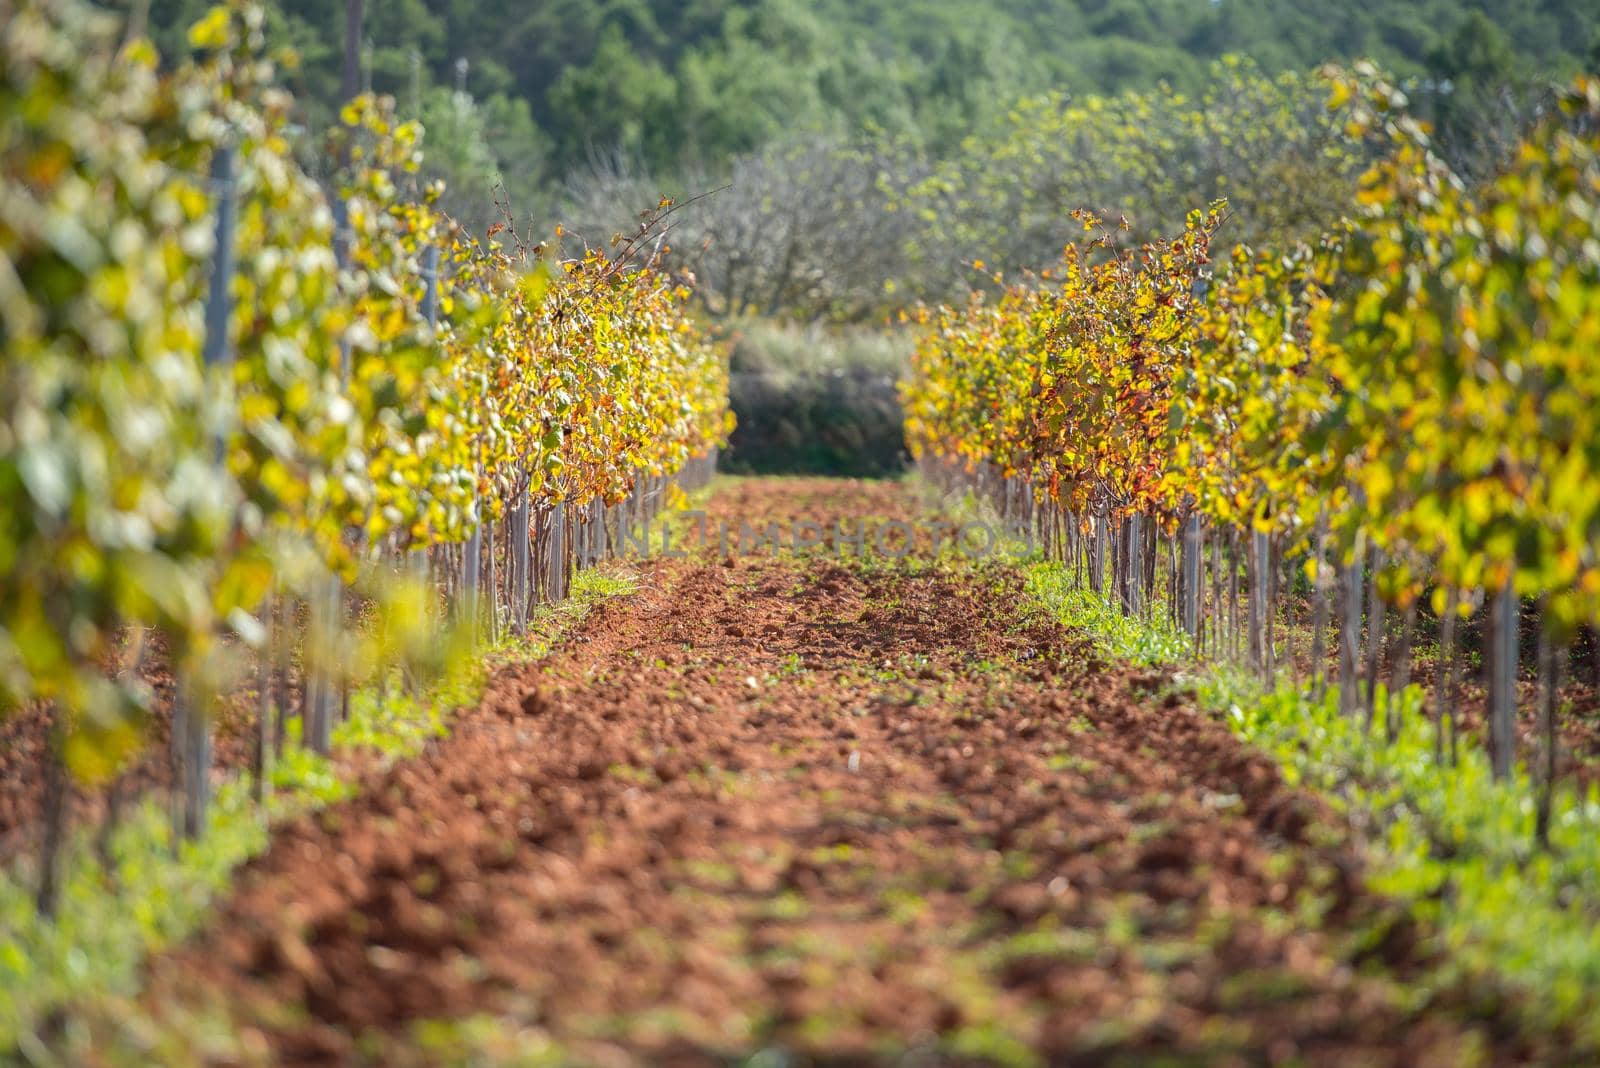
x=279 y=418
x=1406 y=412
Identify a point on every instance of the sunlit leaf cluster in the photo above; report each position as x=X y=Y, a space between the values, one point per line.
x=1067 y=379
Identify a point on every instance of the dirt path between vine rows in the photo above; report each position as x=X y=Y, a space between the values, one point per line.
x=852 y=813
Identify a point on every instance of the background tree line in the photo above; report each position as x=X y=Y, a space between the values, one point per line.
x=536 y=95
x=863 y=155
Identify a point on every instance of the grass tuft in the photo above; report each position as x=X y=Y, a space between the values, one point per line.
x=1452 y=843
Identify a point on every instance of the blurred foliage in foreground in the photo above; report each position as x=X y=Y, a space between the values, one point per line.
x=364 y=414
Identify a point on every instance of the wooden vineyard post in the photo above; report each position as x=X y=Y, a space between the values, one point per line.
x=472 y=554
x=1551 y=658
x=518 y=528
x=471 y=565
x=1283 y=578
x=57 y=796
x=1132 y=543
x=1215 y=629
x=191 y=734
x=328 y=609
x=1350 y=630
x=1193 y=545
x=1503 y=680
x=325 y=613
x=1097 y=556
x=558 y=553
x=490 y=581
x=583 y=536
x=1377 y=620
x=1319 y=610
x=1114 y=583
x=1233 y=595
x=1175 y=580
x=596 y=531
x=416 y=553
x=539 y=570
x=1269 y=585
x=1257 y=563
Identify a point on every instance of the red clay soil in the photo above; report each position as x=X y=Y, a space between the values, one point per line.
x=25 y=738
x=858 y=812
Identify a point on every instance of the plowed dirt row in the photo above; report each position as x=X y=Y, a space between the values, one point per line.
x=859 y=812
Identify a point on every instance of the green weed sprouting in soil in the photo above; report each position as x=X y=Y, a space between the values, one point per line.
x=153 y=896
x=1122 y=636
x=109 y=921
x=1455 y=844
x=1447 y=839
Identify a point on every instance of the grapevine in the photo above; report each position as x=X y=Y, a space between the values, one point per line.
x=1417 y=385
x=146 y=489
